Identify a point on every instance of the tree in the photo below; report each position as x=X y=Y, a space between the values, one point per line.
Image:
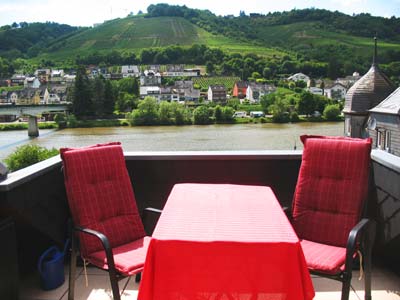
x=109 y=98
x=267 y=73
x=279 y=111
x=165 y=113
x=98 y=96
x=332 y=112
x=146 y=113
x=210 y=68
x=266 y=101
x=218 y=114
x=82 y=104
x=202 y=115
x=306 y=103
x=227 y=114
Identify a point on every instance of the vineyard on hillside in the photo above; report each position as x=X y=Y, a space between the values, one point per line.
x=205 y=82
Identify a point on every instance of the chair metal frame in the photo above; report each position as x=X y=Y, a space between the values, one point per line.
x=113 y=274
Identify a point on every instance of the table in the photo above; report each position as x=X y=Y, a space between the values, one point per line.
x=222 y=241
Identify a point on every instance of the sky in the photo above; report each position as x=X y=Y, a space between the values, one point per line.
x=89 y=12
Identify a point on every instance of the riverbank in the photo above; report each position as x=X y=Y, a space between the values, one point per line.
x=125 y=122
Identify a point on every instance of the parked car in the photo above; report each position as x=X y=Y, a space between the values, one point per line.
x=240 y=114
x=256 y=114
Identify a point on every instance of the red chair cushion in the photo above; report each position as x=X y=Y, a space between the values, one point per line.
x=100 y=195
x=128 y=259
x=324 y=258
x=331 y=188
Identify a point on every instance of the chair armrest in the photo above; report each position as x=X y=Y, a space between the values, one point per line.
x=364 y=232
x=288 y=212
x=152 y=209
x=105 y=243
x=150 y=215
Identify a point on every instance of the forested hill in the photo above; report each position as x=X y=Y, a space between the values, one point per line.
x=315 y=33
x=28 y=39
x=248 y=26
x=305 y=35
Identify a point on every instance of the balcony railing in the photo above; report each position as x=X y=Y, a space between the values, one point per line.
x=35 y=196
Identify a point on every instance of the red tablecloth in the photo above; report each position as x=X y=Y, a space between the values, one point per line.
x=221 y=241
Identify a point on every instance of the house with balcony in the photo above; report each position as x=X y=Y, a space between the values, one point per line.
x=255 y=91
x=384 y=124
x=217 y=93
x=26 y=96
x=150 y=78
x=43 y=75
x=18 y=79
x=153 y=91
x=56 y=76
x=130 y=71
x=186 y=90
x=31 y=82
x=335 y=91
x=240 y=89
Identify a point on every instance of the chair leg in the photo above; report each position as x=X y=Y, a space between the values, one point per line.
x=72 y=268
x=368 y=261
x=367 y=273
x=114 y=284
x=346 y=286
x=138 y=277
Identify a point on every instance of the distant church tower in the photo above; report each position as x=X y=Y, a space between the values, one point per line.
x=366 y=93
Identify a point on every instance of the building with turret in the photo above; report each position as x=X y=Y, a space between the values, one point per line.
x=370 y=90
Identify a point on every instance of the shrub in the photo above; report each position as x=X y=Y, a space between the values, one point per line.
x=331 y=112
x=72 y=121
x=61 y=120
x=27 y=155
x=294 y=117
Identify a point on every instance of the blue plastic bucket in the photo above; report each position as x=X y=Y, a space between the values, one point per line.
x=51 y=268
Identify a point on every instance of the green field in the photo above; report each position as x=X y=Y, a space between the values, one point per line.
x=134 y=34
x=310 y=35
x=205 y=82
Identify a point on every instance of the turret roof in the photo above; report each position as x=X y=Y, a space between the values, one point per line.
x=369 y=90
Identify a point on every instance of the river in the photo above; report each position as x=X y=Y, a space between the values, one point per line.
x=175 y=138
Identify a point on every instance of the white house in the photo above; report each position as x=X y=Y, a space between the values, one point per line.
x=130 y=71
x=217 y=93
x=68 y=78
x=31 y=82
x=256 y=90
x=150 y=78
x=153 y=91
x=12 y=97
x=337 y=91
x=298 y=77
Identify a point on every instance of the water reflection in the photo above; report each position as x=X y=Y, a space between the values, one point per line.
x=176 y=138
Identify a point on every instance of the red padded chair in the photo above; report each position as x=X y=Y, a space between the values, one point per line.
x=328 y=204
x=104 y=212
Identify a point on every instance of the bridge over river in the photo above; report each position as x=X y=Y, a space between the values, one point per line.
x=32 y=112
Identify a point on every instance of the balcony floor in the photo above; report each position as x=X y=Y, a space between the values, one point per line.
x=385 y=285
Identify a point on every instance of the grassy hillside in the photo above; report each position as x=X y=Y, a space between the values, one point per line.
x=311 y=38
x=136 y=33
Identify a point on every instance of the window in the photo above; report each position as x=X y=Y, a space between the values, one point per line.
x=347 y=127
x=379 y=139
x=383 y=139
x=387 y=140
